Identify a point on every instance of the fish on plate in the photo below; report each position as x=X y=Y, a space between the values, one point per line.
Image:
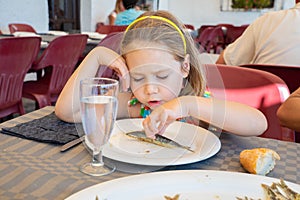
x=158 y=140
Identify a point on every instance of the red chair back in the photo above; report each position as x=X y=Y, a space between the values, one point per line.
x=113 y=42
x=189 y=26
x=234 y=32
x=211 y=40
x=259 y=89
x=202 y=28
x=58 y=60
x=203 y=38
x=16 y=57
x=216 y=41
x=290 y=74
x=20 y=27
x=106 y=29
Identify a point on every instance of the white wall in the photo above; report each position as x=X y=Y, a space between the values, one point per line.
x=195 y=12
x=94 y=11
x=85 y=15
x=199 y=12
x=33 y=12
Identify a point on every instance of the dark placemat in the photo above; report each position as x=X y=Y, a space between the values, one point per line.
x=48 y=129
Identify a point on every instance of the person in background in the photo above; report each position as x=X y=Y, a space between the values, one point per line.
x=160 y=63
x=289 y=111
x=129 y=14
x=119 y=7
x=273 y=38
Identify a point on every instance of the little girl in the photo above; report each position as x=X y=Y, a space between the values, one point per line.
x=160 y=64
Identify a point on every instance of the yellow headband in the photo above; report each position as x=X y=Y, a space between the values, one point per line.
x=162 y=19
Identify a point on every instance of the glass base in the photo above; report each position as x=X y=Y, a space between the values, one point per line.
x=97 y=170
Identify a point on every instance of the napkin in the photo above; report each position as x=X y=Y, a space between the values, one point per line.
x=48 y=129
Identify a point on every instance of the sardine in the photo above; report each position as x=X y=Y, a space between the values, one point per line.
x=159 y=140
x=280 y=191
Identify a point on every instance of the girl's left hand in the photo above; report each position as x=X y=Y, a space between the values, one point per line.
x=162 y=116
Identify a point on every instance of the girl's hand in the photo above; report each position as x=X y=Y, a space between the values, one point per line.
x=162 y=116
x=120 y=67
x=115 y=62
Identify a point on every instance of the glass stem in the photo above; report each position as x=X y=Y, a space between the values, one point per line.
x=97 y=158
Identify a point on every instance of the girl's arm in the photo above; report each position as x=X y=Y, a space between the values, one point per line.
x=289 y=112
x=232 y=117
x=67 y=106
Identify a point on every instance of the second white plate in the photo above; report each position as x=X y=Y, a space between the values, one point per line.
x=125 y=149
x=189 y=184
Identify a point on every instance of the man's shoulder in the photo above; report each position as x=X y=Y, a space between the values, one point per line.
x=270 y=17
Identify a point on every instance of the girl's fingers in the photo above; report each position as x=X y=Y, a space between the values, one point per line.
x=155 y=123
x=163 y=129
x=162 y=123
x=150 y=126
x=120 y=67
x=147 y=129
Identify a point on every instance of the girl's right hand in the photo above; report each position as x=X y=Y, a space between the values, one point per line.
x=162 y=116
x=117 y=63
x=120 y=67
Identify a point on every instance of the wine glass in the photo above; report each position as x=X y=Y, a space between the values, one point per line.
x=98 y=106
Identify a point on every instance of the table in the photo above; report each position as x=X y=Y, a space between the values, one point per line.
x=46 y=38
x=33 y=170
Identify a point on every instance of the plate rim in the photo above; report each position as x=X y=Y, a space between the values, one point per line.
x=207 y=174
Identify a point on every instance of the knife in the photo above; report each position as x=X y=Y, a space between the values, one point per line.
x=71 y=144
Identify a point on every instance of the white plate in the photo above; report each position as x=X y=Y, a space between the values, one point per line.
x=189 y=184
x=125 y=149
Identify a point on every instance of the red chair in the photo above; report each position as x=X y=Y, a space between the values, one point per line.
x=202 y=28
x=225 y=25
x=106 y=29
x=290 y=74
x=16 y=57
x=113 y=42
x=256 y=88
x=203 y=39
x=189 y=26
x=216 y=42
x=58 y=61
x=20 y=27
x=211 y=40
x=234 y=32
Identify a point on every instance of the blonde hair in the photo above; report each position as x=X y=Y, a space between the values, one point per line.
x=171 y=35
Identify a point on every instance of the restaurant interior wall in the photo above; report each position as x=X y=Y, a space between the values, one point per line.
x=195 y=12
x=203 y=12
x=33 y=12
x=94 y=11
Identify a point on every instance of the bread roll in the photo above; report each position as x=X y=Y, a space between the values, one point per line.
x=258 y=161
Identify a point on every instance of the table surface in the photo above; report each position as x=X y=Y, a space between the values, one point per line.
x=46 y=38
x=33 y=170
